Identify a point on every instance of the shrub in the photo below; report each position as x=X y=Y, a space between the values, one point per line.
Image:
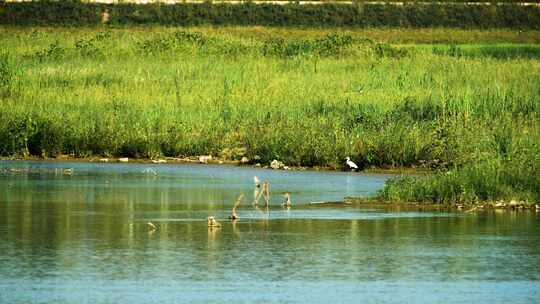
x=293 y=14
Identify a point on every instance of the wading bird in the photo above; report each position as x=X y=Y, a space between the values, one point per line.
x=233 y=215
x=351 y=164
x=257 y=182
x=151 y=226
x=287 y=200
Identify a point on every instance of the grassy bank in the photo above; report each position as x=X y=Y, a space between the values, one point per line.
x=306 y=99
x=488 y=180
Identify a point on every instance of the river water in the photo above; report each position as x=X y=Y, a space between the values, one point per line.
x=78 y=233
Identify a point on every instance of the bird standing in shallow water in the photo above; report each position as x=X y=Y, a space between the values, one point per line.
x=287 y=200
x=256 y=191
x=257 y=182
x=351 y=164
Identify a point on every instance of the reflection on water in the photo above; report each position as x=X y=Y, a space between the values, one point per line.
x=181 y=184
x=83 y=237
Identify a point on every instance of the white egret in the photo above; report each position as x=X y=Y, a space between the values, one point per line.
x=287 y=200
x=351 y=164
x=256 y=181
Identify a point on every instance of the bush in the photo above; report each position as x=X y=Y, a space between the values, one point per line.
x=50 y=13
x=327 y=14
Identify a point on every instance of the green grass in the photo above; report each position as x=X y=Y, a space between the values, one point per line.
x=511 y=174
x=304 y=97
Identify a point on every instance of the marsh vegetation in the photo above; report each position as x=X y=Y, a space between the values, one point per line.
x=305 y=97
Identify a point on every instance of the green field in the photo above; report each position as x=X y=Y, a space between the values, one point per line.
x=464 y=104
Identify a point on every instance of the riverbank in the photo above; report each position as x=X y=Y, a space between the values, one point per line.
x=158 y=93
x=486 y=206
x=213 y=160
x=379 y=201
x=382 y=200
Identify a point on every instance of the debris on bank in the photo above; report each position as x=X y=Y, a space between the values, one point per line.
x=330 y=203
x=203 y=159
x=278 y=165
x=499 y=205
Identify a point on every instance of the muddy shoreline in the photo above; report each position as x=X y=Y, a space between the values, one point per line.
x=360 y=202
x=486 y=206
x=203 y=159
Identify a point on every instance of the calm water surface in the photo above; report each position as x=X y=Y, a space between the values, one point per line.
x=82 y=238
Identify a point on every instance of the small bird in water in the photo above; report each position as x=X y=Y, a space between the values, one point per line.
x=351 y=164
x=151 y=226
x=233 y=215
x=256 y=191
x=212 y=222
x=257 y=182
x=287 y=200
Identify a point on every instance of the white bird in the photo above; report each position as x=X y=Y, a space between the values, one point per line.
x=256 y=181
x=351 y=164
x=287 y=200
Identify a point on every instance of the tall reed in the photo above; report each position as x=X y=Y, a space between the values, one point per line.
x=308 y=101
